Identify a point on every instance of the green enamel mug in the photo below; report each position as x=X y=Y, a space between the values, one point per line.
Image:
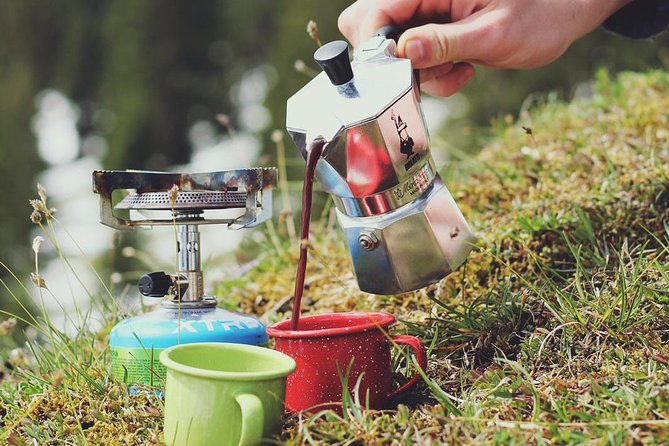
x=223 y=394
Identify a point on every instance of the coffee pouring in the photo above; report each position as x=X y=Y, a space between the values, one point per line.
x=403 y=227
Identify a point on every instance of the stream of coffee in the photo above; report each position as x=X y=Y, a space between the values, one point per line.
x=314 y=151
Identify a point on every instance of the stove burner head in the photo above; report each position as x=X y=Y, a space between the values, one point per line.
x=185 y=201
x=247 y=189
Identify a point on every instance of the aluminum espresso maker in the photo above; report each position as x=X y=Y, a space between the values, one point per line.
x=402 y=225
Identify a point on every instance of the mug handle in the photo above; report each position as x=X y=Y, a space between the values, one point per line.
x=421 y=358
x=252 y=419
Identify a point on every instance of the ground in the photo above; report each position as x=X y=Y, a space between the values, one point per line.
x=554 y=332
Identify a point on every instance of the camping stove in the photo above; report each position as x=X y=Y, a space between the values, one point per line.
x=236 y=198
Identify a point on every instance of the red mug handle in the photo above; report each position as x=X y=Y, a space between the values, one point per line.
x=421 y=358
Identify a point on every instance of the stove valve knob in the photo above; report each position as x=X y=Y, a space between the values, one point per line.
x=155 y=284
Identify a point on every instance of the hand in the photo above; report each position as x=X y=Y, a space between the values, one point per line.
x=444 y=38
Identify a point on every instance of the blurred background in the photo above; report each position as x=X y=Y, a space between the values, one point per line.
x=91 y=84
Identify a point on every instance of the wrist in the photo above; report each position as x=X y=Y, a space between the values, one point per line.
x=589 y=14
x=614 y=6
x=600 y=10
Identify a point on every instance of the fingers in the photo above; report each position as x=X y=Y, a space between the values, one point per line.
x=428 y=74
x=494 y=33
x=447 y=79
x=432 y=47
x=347 y=22
x=436 y=44
x=363 y=18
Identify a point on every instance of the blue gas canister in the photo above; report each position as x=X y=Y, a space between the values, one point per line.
x=136 y=342
x=186 y=314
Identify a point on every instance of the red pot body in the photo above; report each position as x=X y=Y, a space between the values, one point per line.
x=325 y=346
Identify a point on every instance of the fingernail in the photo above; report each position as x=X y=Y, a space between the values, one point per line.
x=415 y=50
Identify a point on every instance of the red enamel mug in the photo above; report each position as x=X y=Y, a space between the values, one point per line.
x=323 y=348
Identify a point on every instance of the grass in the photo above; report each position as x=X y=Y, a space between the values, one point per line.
x=554 y=332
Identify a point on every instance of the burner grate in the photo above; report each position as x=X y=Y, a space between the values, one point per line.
x=184 y=200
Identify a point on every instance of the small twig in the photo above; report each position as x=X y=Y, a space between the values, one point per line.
x=276 y=308
x=277 y=138
x=528 y=131
x=173 y=194
x=312 y=30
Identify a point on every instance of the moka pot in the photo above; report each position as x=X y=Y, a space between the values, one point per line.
x=403 y=228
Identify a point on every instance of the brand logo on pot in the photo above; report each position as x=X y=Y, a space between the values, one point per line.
x=406 y=141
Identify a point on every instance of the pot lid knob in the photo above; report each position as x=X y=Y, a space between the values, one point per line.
x=333 y=58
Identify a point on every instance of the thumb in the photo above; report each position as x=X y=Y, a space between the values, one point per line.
x=436 y=44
